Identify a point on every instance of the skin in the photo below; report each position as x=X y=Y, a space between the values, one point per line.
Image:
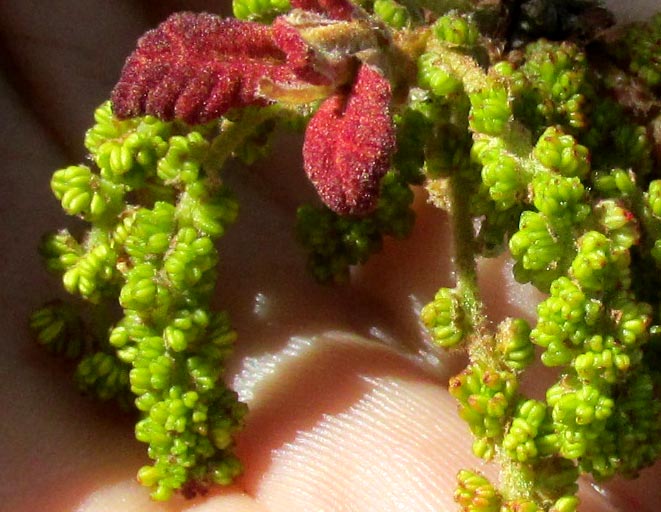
x=338 y=421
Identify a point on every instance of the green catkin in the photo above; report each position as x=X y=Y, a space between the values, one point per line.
x=335 y=243
x=156 y=256
x=485 y=396
x=575 y=224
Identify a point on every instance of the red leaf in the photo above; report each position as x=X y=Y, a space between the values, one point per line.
x=195 y=67
x=349 y=142
x=336 y=9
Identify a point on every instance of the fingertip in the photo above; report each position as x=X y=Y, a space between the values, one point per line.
x=399 y=447
x=127 y=496
x=235 y=502
x=341 y=423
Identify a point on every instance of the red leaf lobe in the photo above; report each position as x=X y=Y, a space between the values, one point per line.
x=349 y=143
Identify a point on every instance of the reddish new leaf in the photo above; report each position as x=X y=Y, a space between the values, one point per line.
x=349 y=143
x=195 y=67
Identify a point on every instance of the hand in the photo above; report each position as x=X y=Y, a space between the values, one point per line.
x=337 y=422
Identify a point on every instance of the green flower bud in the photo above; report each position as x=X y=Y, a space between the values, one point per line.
x=203 y=373
x=642 y=40
x=126 y=150
x=485 y=395
x=552 y=85
x=633 y=147
x=224 y=472
x=505 y=178
x=490 y=110
x=148 y=233
x=208 y=214
x=615 y=184
x=653 y=197
x=556 y=197
x=392 y=12
x=519 y=442
x=520 y=505
x=566 y=504
x=475 y=493
x=181 y=164
x=139 y=292
x=597 y=266
x=334 y=243
x=513 y=343
x=191 y=258
x=565 y=320
x=562 y=154
x=436 y=77
x=60 y=250
x=94 y=273
x=620 y=224
x=85 y=194
x=60 y=329
x=580 y=413
x=538 y=255
x=456 y=30
x=104 y=376
x=443 y=317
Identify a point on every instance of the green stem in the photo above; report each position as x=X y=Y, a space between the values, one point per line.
x=465 y=266
x=232 y=135
x=463 y=67
x=515 y=483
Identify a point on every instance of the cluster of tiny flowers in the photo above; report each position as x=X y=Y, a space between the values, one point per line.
x=334 y=243
x=443 y=318
x=485 y=399
x=154 y=215
x=476 y=494
x=59 y=328
x=643 y=44
x=551 y=85
x=575 y=226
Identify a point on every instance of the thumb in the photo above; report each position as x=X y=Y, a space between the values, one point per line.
x=339 y=423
